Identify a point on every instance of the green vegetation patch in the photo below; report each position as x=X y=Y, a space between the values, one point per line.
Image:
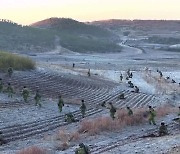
x=15 y=61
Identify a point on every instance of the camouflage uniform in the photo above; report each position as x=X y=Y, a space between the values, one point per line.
x=131 y=75
x=103 y=104
x=10 y=71
x=1 y=85
x=83 y=149
x=121 y=96
x=152 y=115
x=112 y=111
x=136 y=89
x=121 y=77
x=10 y=90
x=25 y=94
x=89 y=74
x=160 y=73
x=60 y=104
x=69 y=118
x=163 y=129
x=83 y=108
x=128 y=73
x=37 y=98
x=130 y=84
x=130 y=112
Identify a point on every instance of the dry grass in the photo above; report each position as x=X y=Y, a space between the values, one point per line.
x=32 y=150
x=122 y=120
x=65 y=138
x=16 y=62
x=101 y=124
x=164 y=110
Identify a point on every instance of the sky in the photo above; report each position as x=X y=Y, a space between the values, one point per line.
x=29 y=11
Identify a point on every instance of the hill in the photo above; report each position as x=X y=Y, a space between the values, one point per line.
x=46 y=35
x=18 y=38
x=80 y=37
x=144 y=25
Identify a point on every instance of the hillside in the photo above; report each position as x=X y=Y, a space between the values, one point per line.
x=142 y=25
x=48 y=34
x=14 y=37
x=80 y=37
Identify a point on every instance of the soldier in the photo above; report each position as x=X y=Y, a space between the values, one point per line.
x=103 y=104
x=112 y=111
x=167 y=77
x=1 y=85
x=173 y=81
x=10 y=71
x=136 y=89
x=70 y=118
x=121 y=96
x=121 y=77
x=179 y=111
x=128 y=73
x=163 y=129
x=10 y=90
x=60 y=103
x=152 y=115
x=130 y=112
x=160 y=73
x=73 y=65
x=89 y=73
x=83 y=108
x=131 y=75
x=83 y=149
x=130 y=84
x=25 y=94
x=37 y=98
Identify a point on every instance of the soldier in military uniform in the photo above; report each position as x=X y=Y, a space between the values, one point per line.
x=121 y=96
x=136 y=90
x=60 y=103
x=89 y=73
x=112 y=111
x=25 y=94
x=70 y=118
x=37 y=98
x=83 y=149
x=83 y=108
x=130 y=112
x=10 y=90
x=10 y=71
x=152 y=115
x=121 y=77
x=163 y=129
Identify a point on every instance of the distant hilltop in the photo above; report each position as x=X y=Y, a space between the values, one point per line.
x=55 y=34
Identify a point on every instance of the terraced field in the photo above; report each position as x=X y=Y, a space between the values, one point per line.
x=93 y=91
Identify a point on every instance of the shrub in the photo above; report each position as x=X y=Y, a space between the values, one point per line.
x=32 y=150
x=95 y=126
x=17 y=62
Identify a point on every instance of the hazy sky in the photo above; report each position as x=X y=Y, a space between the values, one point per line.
x=29 y=11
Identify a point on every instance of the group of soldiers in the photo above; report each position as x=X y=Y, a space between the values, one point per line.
x=69 y=117
x=167 y=78
x=25 y=93
x=84 y=149
x=129 y=75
